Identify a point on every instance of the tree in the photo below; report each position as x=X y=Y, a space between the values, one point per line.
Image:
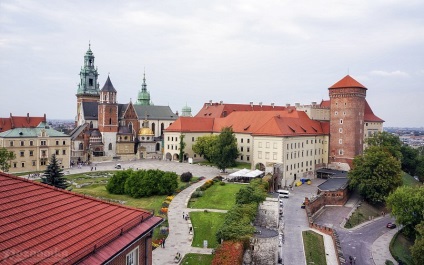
x=417 y=250
x=419 y=170
x=407 y=205
x=376 y=174
x=410 y=158
x=224 y=152
x=182 y=146
x=388 y=142
x=255 y=192
x=53 y=174
x=5 y=158
x=204 y=145
x=186 y=177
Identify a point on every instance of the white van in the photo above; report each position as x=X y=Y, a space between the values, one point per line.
x=283 y=193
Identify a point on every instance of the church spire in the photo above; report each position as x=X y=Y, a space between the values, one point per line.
x=88 y=76
x=143 y=95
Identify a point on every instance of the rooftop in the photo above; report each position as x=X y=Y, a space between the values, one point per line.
x=43 y=224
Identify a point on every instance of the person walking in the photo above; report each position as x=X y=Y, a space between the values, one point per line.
x=163 y=243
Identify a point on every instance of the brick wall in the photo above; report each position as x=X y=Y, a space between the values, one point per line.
x=145 y=247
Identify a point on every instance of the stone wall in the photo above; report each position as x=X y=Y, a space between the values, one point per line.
x=263 y=251
x=268 y=214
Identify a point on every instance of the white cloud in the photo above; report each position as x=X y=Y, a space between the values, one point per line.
x=396 y=73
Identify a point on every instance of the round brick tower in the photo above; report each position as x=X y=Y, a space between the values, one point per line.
x=347 y=105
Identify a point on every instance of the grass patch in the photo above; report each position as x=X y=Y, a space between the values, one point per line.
x=205 y=225
x=408 y=180
x=363 y=213
x=217 y=197
x=197 y=259
x=314 y=248
x=400 y=248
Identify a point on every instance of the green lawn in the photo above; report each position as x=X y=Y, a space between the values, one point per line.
x=217 y=197
x=399 y=247
x=314 y=248
x=408 y=180
x=197 y=259
x=205 y=225
x=362 y=214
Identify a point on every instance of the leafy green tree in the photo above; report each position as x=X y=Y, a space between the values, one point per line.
x=167 y=183
x=182 y=146
x=5 y=158
x=388 y=142
x=255 y=192
x=237 y=222
x=417 y=250
x=145 y=183
x=116 y=184
x=376 y=174
x=225 y=152
x=419 y=170
x=407 y=205
x=410 y=157
x=186 y=177
x=204 y=145
x=53 y=175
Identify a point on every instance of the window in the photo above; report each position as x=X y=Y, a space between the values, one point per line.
x=22 y=153
x=33 y=163
x=110 y=121
x=241 y=158
x=110 y=146
x=260 y=144
x=248 y=141
x=241 y=140
x=11 y=143
x=248 y=158
x=80 y=146
x=43 y=162
x=341 y=121
x=340 y=151
x=248 y=149
x=274 y=156
x=43 y=142
x=43 y=152
x=23 y=164
x=260 y=154
x=192 y=139
x=275 y=146
x=241 y=149
x=31 y=153
x=340 y=130
x=15 y=164
x=31 y=143
x=63 y=152
x=335 y=113
x=340 y=141
x=57 y=152
x=22 y=143
x=266 y=155
x=267 y=144
x=64 y=142
x=57 y=142
x=132 y=257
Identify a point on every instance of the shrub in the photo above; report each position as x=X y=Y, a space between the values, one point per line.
x=116 y=184
x=144 y=183
x=217 y=179
x=222 y=183
x=197 y=194
x=229 y=253
x=186 y=177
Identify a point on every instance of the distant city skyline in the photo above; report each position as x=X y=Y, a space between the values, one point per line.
x=192 y=52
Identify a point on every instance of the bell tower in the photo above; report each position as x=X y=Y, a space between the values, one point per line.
x=143 y=95
x=88 y=87
x=108 y=117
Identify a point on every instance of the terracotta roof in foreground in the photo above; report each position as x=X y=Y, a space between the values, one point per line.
x=20 y=122
x=347 y=81
x=220 y=110
x=369 y=114
x=42 y=224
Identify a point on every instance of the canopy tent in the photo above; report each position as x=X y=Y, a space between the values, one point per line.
x=245 y=175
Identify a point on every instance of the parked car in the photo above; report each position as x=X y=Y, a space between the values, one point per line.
x=391 y=225
x=118 y=166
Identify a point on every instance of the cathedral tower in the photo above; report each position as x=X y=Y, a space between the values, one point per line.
x=347 y=105
x=88 y=87
x=108 y=117
x=143 y=95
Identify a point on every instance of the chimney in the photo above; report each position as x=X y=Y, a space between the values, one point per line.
x=210 y=102
x=272 y=105
x=45 y=119
x=251 y=103
x=287 y=105
x=27 y=117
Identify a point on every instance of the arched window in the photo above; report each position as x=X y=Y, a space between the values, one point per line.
x=110 y=146
x=153 y=127
x=162 y=127
x=81 y=146
x=130 y=126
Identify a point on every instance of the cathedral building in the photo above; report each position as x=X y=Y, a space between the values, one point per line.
x=106 y=129
x=298 y=140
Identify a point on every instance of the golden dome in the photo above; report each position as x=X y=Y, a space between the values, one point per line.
x=145 y=131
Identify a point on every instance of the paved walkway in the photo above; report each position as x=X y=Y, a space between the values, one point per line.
x=380 y=248
x=330 y=250
x=179 y=238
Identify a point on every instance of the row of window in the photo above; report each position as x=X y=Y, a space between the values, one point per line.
x=43 y=162
x=31 y=143
x=247 y=140
x=294 y=155
x=300 y=144
x=43 y=152
x=242 y=149
x=300 y=165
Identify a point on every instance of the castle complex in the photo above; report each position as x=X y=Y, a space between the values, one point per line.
x=295 y=140
x=106 y=129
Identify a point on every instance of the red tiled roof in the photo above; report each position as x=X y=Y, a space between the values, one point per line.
x=369 y=114
x=20 y=122
x=218 y=110
x=191 y=124
x=287 y=122
x=39 y=223
x=325 y=104
x=347 y=81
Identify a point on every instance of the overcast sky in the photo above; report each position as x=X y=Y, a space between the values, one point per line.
x=195 y=51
